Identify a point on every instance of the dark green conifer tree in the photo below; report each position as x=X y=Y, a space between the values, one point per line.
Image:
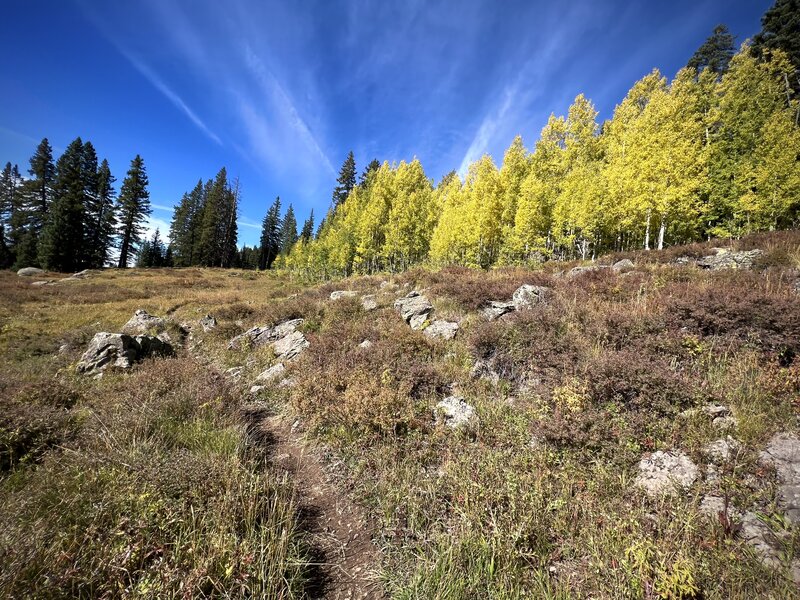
x=308 y=227
x=101 y=218
x=288 y=231
x=373 y=166
x=270 y=236
x=346 y=180
x=716 y=52
x=780 y=30
x=133 y=209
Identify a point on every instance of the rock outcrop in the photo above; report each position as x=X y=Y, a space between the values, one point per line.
x=783 y=453
x=454 y=412
x=30 y=272
x=274 y=372
x=289 y=346
x=726 y=259
x=343 y=294
x=368 y=302
x=143 y=323
x=261 y=336
x=415 y=309
x=623 y=264
x=664 y=473
x=496 y=309
x=440 y=329
x=119 y=351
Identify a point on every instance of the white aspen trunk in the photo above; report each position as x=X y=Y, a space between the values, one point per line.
x=661 y=231
x=647 y=232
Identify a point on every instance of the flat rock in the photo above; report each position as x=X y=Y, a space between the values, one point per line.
x=368 y=302
x=143 y=323
x=208 y=323
x=496 y=309
x=726 y=259
x=290 y=345
x=366 y=345
x=415 y=309
x=527 y=296
x=274 y=372
x=783 y=453
x=454 y=412
x=79 y=275
x=443 y=330
x=260 y=336
x=119 y=351
x=343 y=294
x=29 y=272
x=577 y=271
x=41 y=283
x=712 y=506
x=664 y=473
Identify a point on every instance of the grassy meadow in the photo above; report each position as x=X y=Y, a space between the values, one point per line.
x=149 y=484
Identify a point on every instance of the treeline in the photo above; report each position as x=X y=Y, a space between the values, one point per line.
x=713 y=153
x=66 y=216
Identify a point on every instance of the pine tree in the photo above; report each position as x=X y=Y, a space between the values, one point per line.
x=183 y=232
x=42 y=173
x=214 y=222
x=373 y=166
x=6 y=258
x=780 y=30
x=9 y=188
x=134 y=208
x=102 y=218
x=346 y=180
x=270 y=241
x=716 y=52
x=288 y=231
x=230 y=213
x=308 y=227
x=61 y=245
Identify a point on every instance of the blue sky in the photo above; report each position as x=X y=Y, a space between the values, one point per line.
x=278 y=92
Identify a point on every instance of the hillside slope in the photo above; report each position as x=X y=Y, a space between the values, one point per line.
x=613 y=432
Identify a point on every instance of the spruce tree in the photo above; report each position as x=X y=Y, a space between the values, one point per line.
x=716 y=52
x=214 y=222
x=6 y=258
x=270 y=240
x=133 y=208
x=42 y=173
x=346 y=180
x=288 y=231
x=308 y=227
x=780 y=30
x=101 y=219
x=61 y=245
x=9 y=188
x=185 y=226
x=230 y=212
x=373 y=166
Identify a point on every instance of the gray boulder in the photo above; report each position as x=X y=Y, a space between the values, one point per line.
x=368 y=302
x=664 y=473
x=208 y=323
x=623 y=264
x=261 y=336
x=79 y=275
x=783 y=453
x=29 y=272
x=528 y=295
x=454 y=412
x=119 y=351
x=290 y=345
x=722 y=451
x=496 y=309
x=343 y=294
x=41 y=283
x=439 y=329
x=415 y=309
x=274 y=372
x=726 y=259
x=577 y=271
x=143 y=323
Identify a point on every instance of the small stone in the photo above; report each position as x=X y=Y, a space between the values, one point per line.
x=274 y=372
x=577 y=271
x=260 y=336
x=439 y=329
x=454 y=412
x=208 y=323
x=623 y=264
x=496 y=309
x=725 y=423
x=343 y=294
x=712 y=506
x=368 y=302
x=366 y=345
x=663 y=473
x=483 y=370
x=723 y=450
x=41 y=283
x=233 y=372
x=415 y=309
x=256 y=389
x=716 y=410
x=527 y=296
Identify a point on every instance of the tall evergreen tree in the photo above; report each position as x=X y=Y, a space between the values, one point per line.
x=184 y=229
x=6 y=258
x=716 y=52
x=61 y=245
x=346 y=180
x=230 y=212
x=308 y=227
x=134 y=208
x=270 y=240
x=214 y=221
x=373 y=166
x=10 y=181
x=288 y=231
x=42 y=173
x=780 y=30
x=101 y=218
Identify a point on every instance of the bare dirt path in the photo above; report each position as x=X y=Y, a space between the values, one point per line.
x=346 y=560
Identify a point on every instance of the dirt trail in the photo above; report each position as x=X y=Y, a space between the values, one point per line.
x=346 y=559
